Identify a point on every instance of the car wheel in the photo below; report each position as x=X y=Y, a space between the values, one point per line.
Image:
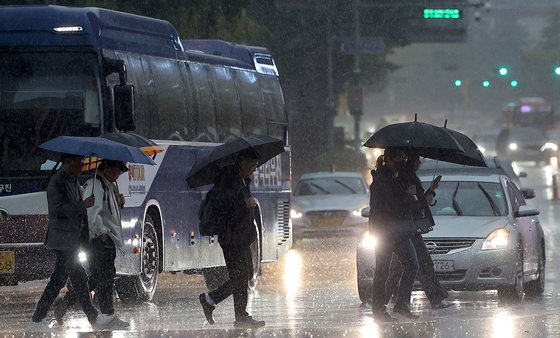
x=536 y=288
x=514 y=293
x=141 y=288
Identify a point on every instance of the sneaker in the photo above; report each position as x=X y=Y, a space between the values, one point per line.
x=405 y=312
x=383 y=316
x=119 y=324
x=248 y=323
x=443 y=305
x=59 y=308
x=103 y=321
x=207 y=308
x=41 y=326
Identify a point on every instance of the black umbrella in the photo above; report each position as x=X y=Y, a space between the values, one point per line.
x=134 y=140
x=472 y=155
x=205 y=169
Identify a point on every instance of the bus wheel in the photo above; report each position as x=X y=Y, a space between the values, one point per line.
x=141 y=288
x=256 y=249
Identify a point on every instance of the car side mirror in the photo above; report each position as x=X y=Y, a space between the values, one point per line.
x=365 y=212
x=528 y=193
x=527 y=210
x=522 y=174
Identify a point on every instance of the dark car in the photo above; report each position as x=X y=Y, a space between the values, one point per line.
x=525 y=144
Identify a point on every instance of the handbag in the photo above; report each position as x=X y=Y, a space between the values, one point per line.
x=423 y=225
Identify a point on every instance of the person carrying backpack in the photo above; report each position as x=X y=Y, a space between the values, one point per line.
x=234 y=212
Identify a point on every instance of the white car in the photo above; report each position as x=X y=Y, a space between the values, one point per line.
x=329 y=204
x=485 y=238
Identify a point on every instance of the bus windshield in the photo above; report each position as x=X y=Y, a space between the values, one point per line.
x=44 y=95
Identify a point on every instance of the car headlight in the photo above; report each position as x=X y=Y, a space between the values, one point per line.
x=368 y=242
x=358 y=212
x=82 y=257
x=482 y=149
x=513 y=146
x=498 y=239
x=295 y=214
x=550 y=146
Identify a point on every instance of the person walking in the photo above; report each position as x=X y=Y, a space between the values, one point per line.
x=435 y=292
x=237 y=232
x=66 y=233
x=391 y=201
x=105 y=233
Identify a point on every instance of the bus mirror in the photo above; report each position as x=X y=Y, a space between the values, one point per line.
x=125 y=116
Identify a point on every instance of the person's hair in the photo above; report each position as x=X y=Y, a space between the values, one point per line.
x=391 y=153
x=379 y=162
x=66 y=157
x=249 y=154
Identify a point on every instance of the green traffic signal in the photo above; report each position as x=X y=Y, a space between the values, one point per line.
x=557 y=70
x=513 y=83
x=458 y=83
x=503 y=71
x=485 y=83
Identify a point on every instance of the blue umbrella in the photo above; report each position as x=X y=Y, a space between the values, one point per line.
x=97 y=147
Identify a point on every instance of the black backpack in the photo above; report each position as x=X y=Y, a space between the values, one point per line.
x=208 y=222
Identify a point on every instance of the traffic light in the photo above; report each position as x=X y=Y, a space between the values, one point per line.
x=513 y=83
x=485 y=83
x=503 y=71
x=557 y=71
x=458 y=83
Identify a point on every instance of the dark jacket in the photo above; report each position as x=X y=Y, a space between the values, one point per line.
x=67 y=214
x=420 y=208
x=388 y=200
x=238 y=221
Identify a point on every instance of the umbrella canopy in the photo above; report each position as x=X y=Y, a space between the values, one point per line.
x=134 y=140
x=205 y=169
x=439 y=143
x=472 y=155
x=97 y=147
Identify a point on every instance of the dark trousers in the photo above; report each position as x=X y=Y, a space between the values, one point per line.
x=240 y=268
x=383 y=253
x=67 y=265
x=426 y=274
x=101 y=258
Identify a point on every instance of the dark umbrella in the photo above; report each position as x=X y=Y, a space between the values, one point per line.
x=134 y=140
x=205 y=169
x=97 y=147
x=472 y=155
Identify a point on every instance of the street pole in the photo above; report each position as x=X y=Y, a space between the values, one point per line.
x=355 y=91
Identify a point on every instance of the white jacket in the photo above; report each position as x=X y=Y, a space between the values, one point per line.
x=105 y=216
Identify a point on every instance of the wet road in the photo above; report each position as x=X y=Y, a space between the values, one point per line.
x=312 y=292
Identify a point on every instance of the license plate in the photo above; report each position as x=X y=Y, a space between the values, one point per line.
x=327 y=222
x=444 y=266
x=6 y=262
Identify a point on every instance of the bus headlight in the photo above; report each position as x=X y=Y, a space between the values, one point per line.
x=368 y=242
x=295 y=214
x=513 y=146
x=498 y=239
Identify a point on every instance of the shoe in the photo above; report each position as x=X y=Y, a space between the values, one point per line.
x=41 y=326
x=207 y=308
x=248 y=323
x=119 y=324
x=405 y=312
x=103 y=321
x=443 y=305
x=383 y=316
x=59 y=308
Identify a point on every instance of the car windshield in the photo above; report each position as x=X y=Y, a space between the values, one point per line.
x=330 y=186
x=527 y=135
x=469 y=199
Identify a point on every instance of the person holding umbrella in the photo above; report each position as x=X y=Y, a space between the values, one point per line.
x=237 y=232
x=435 y=292
x=392 y=201
x=67 y=232
x=105 y=232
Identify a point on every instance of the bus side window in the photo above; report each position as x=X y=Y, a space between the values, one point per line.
x=205 y=114
x=274 y=107
x=252 y=105
x=138 y=73
x=227 y=103
x=171 y=95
